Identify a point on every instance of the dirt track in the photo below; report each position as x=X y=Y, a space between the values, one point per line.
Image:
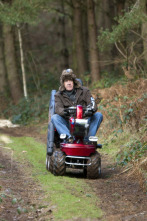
x=122 y=199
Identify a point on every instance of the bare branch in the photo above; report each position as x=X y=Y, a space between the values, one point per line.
x=120 y=51
x=138 y=34
x=136 y=5
x=1 y=3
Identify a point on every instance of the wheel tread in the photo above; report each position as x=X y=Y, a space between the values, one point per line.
x=58 y=165
x=93 y=169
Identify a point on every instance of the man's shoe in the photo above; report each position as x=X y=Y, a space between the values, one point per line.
x=99 y=146
x=86 y=141
x=70 y=139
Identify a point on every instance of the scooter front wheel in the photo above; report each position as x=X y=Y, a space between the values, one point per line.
x=94 y=169
x=58 y=163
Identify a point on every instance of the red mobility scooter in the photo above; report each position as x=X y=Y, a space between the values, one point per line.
x=76 y=153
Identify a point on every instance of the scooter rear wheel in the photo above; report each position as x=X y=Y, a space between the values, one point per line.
x=49 y=163
x=94 y=170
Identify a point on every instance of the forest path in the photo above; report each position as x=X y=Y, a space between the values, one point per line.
x=121 y=197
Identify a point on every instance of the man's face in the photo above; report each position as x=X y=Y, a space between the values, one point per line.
x=68 y=84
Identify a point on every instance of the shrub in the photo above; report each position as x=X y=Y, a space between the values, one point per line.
x=131 y=153
x=28 y=110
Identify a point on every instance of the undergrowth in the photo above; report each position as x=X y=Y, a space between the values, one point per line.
x=107 y=80
x=132 y=152
x=33 y=110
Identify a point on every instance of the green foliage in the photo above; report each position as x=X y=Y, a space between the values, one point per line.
x=21 y=11
x=108 y=79
x=36 y=107
x=21 y=210
x=47 y=81
x=86 y=79
x=14 y=201
x=132 y=152
x=128 y=107
x=25 y=111
x=125 y=23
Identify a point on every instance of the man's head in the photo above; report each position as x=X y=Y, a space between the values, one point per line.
x=68 y=84
x=68 y=80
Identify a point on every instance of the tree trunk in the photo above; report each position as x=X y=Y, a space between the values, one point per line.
x=10 y=60
x=93 y=50
x=74 y=54
x=144 y=32
x=2 y=65
x=22 y=63
x=120 y=6
x=64 y=51
x=85 y=31
x=105 y=13
x=78 y=38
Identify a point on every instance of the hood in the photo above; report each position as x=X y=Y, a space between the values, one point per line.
x=68 y=75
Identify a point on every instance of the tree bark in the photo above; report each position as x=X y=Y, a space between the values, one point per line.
x=82 y=66
x=93 y=50
x=120 y=6
x=105 y=13
x=64 y=51
x=10 y=61
x=3 y=82
x=22 y=63
x=85 y=31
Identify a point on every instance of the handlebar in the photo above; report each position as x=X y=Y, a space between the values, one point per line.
x=87 y=111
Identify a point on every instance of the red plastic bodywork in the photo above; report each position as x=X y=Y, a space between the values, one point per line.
x=77 y=149
x=79 y=112
x=72 y=124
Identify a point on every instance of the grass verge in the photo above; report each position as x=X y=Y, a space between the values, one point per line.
x=71 y=196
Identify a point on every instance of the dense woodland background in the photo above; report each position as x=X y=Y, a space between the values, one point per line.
x=103 y=41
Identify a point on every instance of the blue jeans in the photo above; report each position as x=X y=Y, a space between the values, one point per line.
x=62 y=125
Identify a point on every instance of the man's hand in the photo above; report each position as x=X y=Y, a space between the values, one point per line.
x=90 y=108
x=66 y=113
x=89 y=111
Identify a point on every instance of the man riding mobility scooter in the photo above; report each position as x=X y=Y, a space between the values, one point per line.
x=75 y=152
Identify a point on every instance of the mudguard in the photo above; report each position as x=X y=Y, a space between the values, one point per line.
x=51 y=129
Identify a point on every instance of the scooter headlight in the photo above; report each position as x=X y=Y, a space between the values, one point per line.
x=93 y=138
x=62 y=136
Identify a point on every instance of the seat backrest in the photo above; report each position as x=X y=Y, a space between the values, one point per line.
x=81 y=82
x=52 y=103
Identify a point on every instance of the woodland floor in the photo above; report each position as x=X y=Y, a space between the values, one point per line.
x=121 y=197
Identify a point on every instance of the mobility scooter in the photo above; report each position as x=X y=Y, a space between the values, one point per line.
x=75 y=152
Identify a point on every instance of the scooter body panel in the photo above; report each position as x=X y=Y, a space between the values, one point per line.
x=77 y=149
